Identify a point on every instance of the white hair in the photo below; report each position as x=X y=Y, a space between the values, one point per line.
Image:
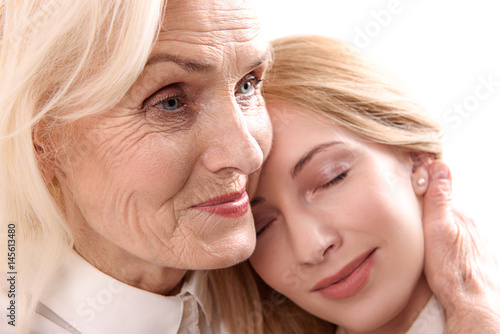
x=60 y=60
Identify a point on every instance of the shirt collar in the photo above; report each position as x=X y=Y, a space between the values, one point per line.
x=196 y=283
x=431 y=319
x=93 y=302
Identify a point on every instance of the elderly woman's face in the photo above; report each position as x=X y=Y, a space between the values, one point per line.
x=162 y=176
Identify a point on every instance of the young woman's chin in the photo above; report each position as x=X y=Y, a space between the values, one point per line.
x=378 y=307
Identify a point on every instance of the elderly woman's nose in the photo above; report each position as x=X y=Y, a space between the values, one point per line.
x=233 y=147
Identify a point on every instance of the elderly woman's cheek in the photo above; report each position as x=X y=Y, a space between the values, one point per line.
x=259 y=125
x=261 y=129
x=253 y=182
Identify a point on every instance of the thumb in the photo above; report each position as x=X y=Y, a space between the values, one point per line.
x=438 y=219
x=440 y=234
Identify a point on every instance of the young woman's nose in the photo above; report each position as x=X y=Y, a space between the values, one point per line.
x=230 y=144
x=311 y=237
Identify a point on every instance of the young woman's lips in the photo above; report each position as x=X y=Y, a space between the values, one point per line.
x=231 y=205
x=349 y=280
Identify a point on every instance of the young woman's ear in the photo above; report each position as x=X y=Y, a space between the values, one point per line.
x=44 y=153
x=421 y=162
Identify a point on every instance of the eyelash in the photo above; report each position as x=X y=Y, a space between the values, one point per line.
x=335 y=180
x=330 y=183
x=169 y=92
x=264 y=228
x=171 y=97
x=251 y=77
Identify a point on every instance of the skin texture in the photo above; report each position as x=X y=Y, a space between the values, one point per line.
x=192 y=128
x=140 y=238
x=460 y=269
x=308 y=231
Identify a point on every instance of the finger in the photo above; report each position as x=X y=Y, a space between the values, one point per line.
x=442 y=236
x=438 y=218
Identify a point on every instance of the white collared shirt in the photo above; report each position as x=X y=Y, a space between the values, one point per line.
x=430 y=321
x=87 y=301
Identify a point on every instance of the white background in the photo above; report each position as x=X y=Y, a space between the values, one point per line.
x=444 y=51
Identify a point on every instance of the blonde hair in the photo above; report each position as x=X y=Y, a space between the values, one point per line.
x=60 y=60
x=328 y=77
x=249 y=306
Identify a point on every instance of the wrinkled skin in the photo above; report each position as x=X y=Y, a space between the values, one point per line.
x=460 y=269
x=192 y=127
x=140 y=244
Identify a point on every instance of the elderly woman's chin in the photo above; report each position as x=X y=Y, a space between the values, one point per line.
x=226 y=246
x=191 y=239
x=198 y=240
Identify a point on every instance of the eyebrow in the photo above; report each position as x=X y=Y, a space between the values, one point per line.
x=200 y=65
x=309 y=155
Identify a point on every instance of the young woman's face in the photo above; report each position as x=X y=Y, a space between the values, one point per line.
x=338 y=221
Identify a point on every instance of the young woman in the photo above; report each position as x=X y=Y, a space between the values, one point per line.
x=338 y=209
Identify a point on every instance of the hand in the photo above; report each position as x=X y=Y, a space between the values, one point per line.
x=461 y=272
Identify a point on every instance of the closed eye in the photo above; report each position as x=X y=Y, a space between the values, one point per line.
x=335 y=180
x=265 y=227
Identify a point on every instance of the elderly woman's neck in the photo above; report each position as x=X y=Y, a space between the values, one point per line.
x=134 y=271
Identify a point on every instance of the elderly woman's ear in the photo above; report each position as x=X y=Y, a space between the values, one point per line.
x=43 y=148
x=421 y=162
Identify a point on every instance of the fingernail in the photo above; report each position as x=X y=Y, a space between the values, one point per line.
x=440 y=171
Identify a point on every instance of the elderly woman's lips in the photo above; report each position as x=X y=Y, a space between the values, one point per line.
x=231 y=205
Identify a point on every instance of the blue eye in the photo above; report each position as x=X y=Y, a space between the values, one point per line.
x=170 y=104
x=248 y=85
x=246 y=88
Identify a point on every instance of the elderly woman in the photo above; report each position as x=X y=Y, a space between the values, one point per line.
x=128 y=130
x=134 y=147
